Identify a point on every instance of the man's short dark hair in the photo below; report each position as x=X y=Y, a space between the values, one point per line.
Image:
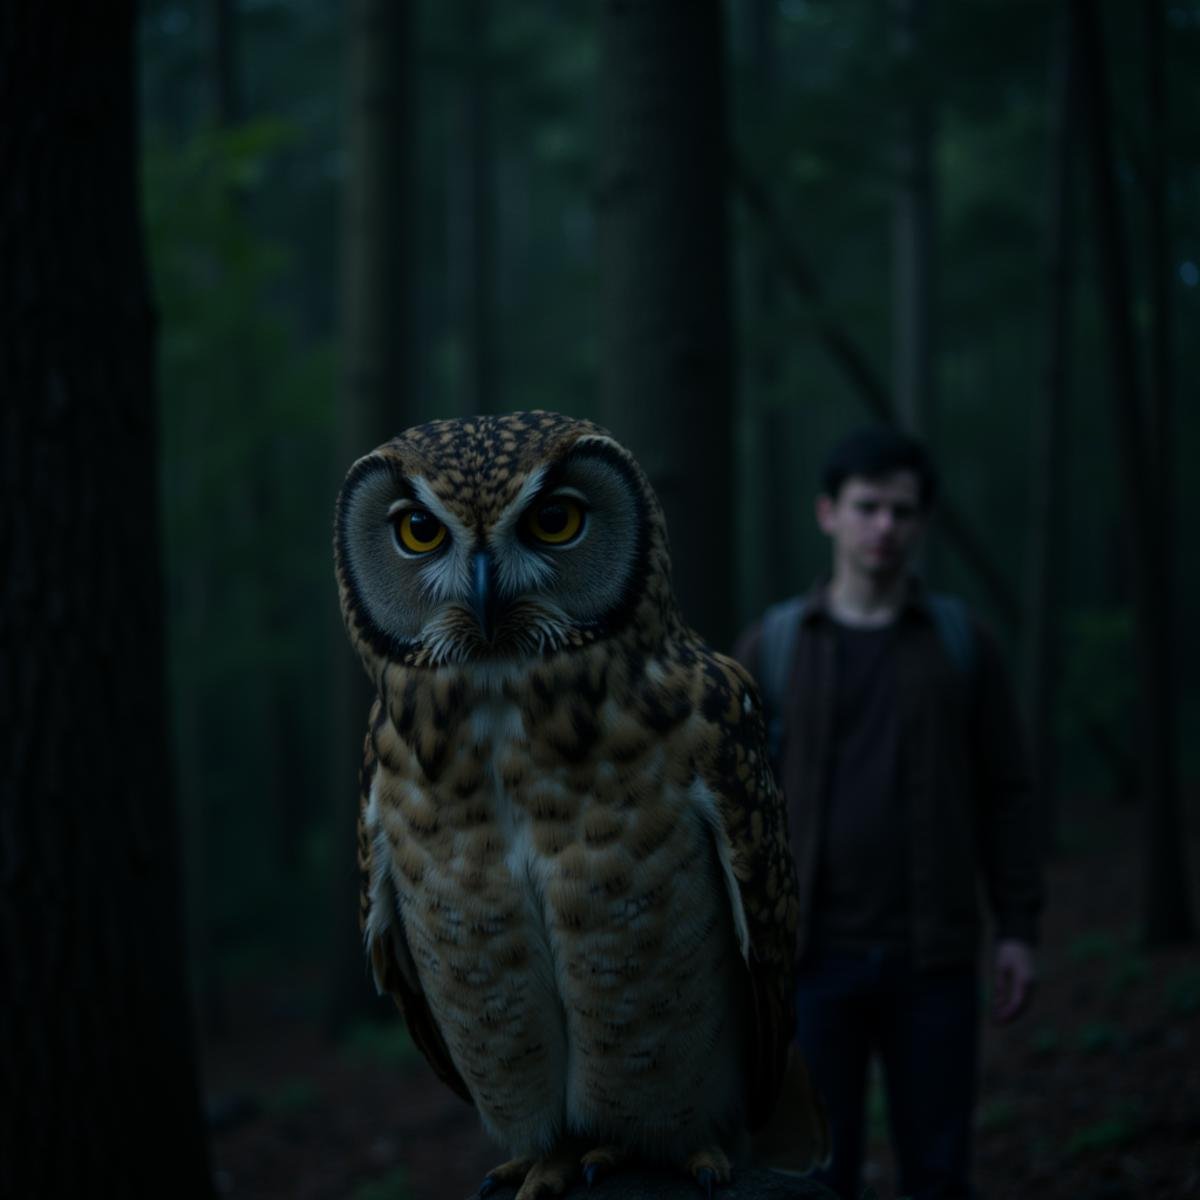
x=871 y=453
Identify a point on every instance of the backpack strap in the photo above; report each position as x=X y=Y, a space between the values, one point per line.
x=776 y=651
x=952 y=620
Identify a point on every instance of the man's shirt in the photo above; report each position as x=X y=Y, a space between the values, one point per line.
x=862 y=882
x=963 y=787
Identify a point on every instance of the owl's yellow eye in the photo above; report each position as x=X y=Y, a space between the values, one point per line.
x=419 y=531
x=556 y=520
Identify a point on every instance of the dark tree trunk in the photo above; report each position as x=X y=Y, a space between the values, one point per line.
x=780 y=510
x=377 y=401
x=914 y=241
x=1158 y=267
x=190 y=628
x=472 y=246
x=99 y=1087
x=913 y=227
x=772 y=493
x=1166 y=911
x=1048 y=518
x=191 y=615
x=664 y=243
x=227 y=89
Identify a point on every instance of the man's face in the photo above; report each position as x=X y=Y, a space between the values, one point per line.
x=875 y=523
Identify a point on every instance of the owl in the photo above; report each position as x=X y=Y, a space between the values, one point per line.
x=577 y=884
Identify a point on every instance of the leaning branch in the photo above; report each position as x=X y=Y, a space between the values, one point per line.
x=856 y=367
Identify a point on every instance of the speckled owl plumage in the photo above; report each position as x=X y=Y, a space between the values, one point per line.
x=576 y=876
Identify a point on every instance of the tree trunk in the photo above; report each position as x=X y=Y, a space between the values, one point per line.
x=914 y=238
x=1166 y=911
x=191 y=615
x=1048 y=519
x=913 y=227
x=777 y=460
x=770 y=544
x=377 y=400
x=1159 y=255
x=472 y=248
x=99 y=1087
x=1167 y=914
x=663 y=227
x=227 y=85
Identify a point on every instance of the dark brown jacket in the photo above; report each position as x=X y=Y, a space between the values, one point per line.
x=964 y=773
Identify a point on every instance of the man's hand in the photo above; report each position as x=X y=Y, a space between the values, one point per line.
x=1013 y=978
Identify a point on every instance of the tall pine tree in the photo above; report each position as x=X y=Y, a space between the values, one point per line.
x=93 y=1007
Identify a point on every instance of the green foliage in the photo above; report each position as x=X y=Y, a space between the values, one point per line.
x=246 y=414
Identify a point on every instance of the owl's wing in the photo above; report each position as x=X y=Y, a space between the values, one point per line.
x=751 y=834
x=382 y=925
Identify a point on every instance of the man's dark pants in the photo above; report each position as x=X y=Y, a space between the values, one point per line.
x=924 y=1027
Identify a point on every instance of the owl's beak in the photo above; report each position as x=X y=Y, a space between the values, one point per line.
x=483 y=592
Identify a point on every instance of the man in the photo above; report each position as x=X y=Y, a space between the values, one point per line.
x=900 y=754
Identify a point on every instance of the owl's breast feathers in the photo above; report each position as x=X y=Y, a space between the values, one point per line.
x=607 y=828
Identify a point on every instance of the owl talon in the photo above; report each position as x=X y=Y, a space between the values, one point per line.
x=487 y=1187
x=709 y=1168
x=591 y=1173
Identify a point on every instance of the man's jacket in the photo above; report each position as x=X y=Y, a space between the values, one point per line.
x=964 y=777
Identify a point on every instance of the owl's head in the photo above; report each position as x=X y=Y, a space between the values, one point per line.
x=498 y=538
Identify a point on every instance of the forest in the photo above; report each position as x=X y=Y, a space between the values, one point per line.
x=243 y=242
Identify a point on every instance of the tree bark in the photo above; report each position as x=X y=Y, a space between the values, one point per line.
x=914 y=240
x=227 y=83
x=99 y=1087
x=377 y=401
x=666 y=384
x=774 y=505
x=473 y=213
x=1048 y=518
x=1166 y=905
x=1158 y=267
x=913 y=228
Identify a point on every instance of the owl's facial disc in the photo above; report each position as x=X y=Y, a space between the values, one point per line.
x=429 y=576
x=573 y=540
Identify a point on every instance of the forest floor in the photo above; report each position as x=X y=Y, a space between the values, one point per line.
x=1093 y=1095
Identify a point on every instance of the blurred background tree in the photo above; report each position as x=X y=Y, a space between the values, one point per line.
x=877 y=208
